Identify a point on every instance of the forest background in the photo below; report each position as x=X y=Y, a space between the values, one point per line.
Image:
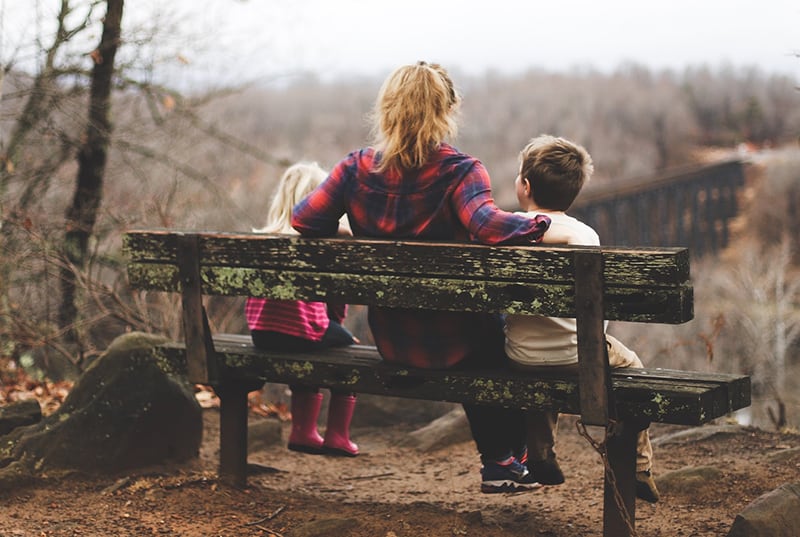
x=208 y=157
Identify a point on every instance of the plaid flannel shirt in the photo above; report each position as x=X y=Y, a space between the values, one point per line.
x=448 y=199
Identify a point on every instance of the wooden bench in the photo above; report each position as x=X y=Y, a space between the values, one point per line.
x=647 y=285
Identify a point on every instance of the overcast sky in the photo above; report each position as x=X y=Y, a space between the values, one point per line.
x=364 y=36
x=261 y=38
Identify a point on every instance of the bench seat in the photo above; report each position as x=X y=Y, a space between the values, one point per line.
x=658 y=395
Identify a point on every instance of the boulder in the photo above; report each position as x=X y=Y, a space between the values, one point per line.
x=129 y=409
x=775 y=514
x=263 y=434
x=696 y=434
x=19 y=413
x=784 y=455
x=452 y=428
x=381 y=411
x=689 y=480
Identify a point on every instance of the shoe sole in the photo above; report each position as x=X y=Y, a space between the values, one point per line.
x=643 y=492
x=551 y=482
x=311 y=450
x=493 y=487
x=337 y=452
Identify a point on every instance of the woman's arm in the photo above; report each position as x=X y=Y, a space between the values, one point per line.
x=319 y=214
x=486 y=222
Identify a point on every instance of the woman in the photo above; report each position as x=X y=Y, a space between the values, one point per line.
x=411 y=184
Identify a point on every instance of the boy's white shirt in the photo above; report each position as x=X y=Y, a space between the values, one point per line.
x=535 y=340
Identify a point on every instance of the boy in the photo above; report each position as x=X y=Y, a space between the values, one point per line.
x=552 y=173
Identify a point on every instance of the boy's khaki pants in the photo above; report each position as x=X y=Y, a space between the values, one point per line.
x=542 y=425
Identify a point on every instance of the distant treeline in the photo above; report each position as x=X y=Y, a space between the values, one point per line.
x=635 y=122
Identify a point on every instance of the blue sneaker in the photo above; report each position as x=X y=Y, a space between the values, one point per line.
x=506 y=477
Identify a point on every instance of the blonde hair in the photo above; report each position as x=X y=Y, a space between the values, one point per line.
x=556 y=169
x=414 y=112
x=295 y=184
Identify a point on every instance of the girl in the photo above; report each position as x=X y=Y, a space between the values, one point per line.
x=297 y=326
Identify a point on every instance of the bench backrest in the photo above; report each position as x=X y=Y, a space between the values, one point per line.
x=641 y=284
x=591 y=284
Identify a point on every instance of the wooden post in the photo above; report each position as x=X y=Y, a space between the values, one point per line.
x=596 y=396
x=200 y=363
x=233 y=431
x=621 y=450
x=594 y=376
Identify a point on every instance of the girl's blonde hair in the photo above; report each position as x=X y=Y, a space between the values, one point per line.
x=295 y=184
x=414 y=113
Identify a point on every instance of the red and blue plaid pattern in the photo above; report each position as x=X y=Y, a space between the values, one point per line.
x=447 y=199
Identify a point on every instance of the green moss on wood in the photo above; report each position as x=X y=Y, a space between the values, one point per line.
x=297 y=370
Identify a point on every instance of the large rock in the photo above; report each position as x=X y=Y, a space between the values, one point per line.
x=452 y=428
x=689 y=480
x=263 y=434
x=696 y=434
x=18 y=414
x=129 y=409
x=380 y=411
x=775 y=514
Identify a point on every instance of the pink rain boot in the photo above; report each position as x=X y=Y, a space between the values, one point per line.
x=305 y=411
x=337 y=434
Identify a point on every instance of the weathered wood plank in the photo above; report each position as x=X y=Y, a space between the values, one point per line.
x=737 y=386
x=597 y=402
x=202 y=367
x=636 y=304
x=650 y=394
x=639 y=266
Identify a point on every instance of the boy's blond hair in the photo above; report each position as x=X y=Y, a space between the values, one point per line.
x=556 y=169
x=414 y=113
x=296 y=183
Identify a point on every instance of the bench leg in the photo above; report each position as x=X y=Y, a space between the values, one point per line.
x=621 y=449
x=233 y=412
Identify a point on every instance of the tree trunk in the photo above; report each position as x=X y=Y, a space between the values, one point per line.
x=92 y=156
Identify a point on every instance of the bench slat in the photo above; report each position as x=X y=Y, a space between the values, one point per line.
x=657 y=395
x=636 y=304
x=641 y=266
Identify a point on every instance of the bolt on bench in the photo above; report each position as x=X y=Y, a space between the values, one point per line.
x=591 y=284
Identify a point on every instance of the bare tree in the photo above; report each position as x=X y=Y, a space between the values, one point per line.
x=38 y=144
x=169 y=158
x=92 y=157
x=760 y=295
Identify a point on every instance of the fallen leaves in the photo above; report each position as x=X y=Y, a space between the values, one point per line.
x=16 y=385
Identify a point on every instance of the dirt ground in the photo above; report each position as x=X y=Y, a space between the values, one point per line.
x=389 y=491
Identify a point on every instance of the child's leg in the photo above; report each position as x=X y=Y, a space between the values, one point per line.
x=336 y=336
x=277 y=341
x=621 y=356
x=337 y=434
x=542 y=427
x=306 y=403
x=644 y=452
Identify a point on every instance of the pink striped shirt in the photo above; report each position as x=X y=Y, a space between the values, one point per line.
x=307 y=320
